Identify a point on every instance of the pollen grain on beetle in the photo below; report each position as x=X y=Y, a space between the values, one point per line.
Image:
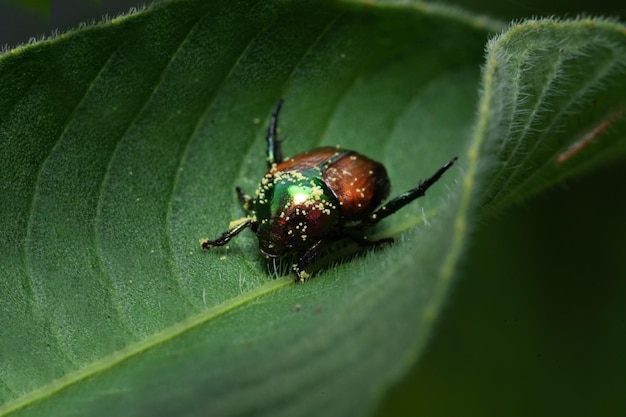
x=235 y=223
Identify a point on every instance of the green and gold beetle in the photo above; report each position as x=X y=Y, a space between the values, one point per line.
x=315 y=198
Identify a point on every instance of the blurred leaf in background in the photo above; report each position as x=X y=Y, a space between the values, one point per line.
x=537 y=324
x=23 y=20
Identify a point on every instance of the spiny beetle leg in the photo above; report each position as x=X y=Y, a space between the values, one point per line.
x=274 y=151
x=362 y=240
x=405 y=198
x=226 y=236
x=244 y=199
x=306 y=260
x=311 y=253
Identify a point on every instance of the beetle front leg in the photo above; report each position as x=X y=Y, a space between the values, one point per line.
x=274 y=151
x=405 y=198
x=226 y=236
x=306 y=259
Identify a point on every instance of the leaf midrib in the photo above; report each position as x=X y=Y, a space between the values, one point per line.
x=148 y=343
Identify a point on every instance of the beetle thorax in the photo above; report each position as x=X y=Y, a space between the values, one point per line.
x=293 y=210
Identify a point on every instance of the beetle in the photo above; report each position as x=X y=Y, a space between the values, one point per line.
x=315 y=198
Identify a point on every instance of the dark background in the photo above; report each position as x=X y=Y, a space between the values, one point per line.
x=537 y=324
x=22 y=19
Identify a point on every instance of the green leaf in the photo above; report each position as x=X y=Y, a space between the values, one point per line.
x=121 y=145
x=553 y=104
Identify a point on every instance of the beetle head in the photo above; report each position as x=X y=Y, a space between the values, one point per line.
x=293 y=212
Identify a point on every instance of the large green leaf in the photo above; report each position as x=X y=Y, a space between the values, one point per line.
x=121 y=145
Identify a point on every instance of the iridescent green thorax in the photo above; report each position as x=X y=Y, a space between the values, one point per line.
x=293 y=209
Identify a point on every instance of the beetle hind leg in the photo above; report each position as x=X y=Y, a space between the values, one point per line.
x=405 y=198
x=364 y=241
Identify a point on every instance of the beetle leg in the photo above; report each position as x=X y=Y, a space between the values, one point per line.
x=245 y=200
x=362 y=240
x=306 y=259
x=405 y=198
x=226 y=236
x=274 y=152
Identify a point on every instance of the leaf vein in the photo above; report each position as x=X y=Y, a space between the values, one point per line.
x=532 y=116
x=37 y=298
x=194 y=136
x=603 y=72
x=106 y=179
